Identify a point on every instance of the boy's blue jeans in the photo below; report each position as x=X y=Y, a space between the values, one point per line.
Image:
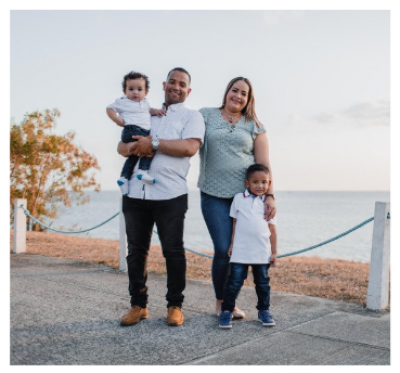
x=237 y=275
x=130 y=163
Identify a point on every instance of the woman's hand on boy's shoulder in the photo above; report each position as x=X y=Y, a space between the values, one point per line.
x=270 y=208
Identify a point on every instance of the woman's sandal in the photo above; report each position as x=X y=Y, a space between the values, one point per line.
x=238 y=313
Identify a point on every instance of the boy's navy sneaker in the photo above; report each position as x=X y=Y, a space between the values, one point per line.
x=225 y=320
x=265 y=318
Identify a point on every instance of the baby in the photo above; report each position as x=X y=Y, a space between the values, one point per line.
x=132 y=111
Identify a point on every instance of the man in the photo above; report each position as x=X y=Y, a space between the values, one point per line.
x=175 y=138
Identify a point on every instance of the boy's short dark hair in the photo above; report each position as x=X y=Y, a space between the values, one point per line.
x=255 y=168
x=135 y=75
x=182 y=70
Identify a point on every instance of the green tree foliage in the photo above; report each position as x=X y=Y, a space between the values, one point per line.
x=45 y=167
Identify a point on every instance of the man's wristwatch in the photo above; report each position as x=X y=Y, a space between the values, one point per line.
x=155 y=144
x=270 y=195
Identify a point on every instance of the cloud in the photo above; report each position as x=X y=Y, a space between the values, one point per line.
x=273 y=17
x=293 y=119
x=324 y=118
x=373 y=113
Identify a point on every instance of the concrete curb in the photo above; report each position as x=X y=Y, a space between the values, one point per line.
x=65 y=312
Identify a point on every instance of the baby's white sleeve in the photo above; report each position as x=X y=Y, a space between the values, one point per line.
x=148 y=108
x=111 y=106
x=114 y=106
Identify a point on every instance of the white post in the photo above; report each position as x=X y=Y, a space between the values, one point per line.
x=122 y=239
x=378 y=286
x=19 y=238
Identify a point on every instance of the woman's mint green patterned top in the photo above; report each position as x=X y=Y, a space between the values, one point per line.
x=227 y=152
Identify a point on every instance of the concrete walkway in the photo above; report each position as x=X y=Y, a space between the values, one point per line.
x=65 y=312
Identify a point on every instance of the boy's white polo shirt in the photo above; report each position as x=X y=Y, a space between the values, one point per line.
x=251 y=244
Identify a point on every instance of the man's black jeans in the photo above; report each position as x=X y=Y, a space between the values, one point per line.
x=237 y=275
x=168 y=215
x=130 y=163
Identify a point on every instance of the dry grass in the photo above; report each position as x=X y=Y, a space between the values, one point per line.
x=326 y=278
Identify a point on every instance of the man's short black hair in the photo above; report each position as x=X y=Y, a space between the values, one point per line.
x=135 y=75
x=255 y=168
x=182 y=70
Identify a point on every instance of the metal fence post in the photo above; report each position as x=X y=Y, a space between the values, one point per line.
x=378 y=285
x=122 y=238
x=19 y=238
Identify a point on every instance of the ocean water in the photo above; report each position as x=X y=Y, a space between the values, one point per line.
x=304 y=219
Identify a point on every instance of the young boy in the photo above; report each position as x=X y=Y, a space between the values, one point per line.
x=133 y=112
x=254 y=243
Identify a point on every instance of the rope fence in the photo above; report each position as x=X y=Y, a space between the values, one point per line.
x=26 y=212
x=328 y=241
x=378 y=283
x=358 y=226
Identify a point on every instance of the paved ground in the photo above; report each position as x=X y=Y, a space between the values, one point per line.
x=65 y=312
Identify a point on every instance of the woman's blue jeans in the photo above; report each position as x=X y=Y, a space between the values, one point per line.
x=219 y=223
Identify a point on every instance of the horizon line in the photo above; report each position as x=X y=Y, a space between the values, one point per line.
x=279 y=191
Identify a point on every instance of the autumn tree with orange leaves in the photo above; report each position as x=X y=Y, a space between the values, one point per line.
x=45 y=168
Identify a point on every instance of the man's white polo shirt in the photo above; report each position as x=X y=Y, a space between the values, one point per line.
x=251 y=244
x=170 y=173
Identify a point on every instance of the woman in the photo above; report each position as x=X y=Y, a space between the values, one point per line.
x=234 y=140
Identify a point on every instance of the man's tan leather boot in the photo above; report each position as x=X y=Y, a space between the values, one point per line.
x=175 y=316
x=134 y=315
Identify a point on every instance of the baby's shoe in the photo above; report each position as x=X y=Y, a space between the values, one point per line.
x=144 y=176
x=123 y=185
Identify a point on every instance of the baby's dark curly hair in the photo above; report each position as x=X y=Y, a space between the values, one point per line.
x=135 y=75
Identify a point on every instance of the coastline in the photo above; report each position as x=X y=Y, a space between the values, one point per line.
x=334 y=279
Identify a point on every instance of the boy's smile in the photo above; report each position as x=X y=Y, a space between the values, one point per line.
x=258 y=183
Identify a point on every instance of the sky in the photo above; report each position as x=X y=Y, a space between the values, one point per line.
x=321 y=80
